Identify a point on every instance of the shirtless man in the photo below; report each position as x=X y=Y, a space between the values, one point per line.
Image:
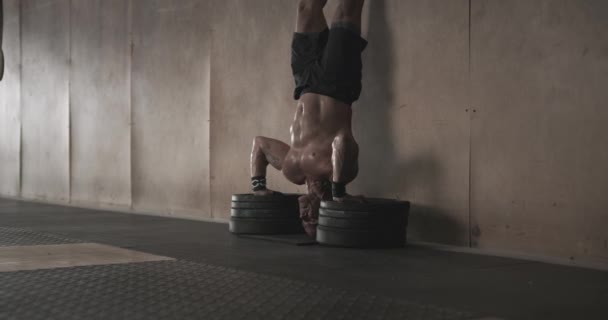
x=326 y=65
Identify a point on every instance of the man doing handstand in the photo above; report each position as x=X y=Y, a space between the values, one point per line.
x=326 y=65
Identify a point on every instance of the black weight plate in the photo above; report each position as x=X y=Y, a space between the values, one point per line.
x=359 y=224
x=380 y=214
x=380 y=225
x=359 y=239
x=261 y=226
x=265 y=214
x=266 y=205
x=368 y=205
x=250 y=197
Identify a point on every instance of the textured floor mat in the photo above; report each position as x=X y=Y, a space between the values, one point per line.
x=293 y=239
x=24 y=237
x=186 y=290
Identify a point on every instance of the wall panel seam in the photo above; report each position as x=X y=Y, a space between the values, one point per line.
x=209 y=156
x=470 y=97
x=130 y=82
x=20 y=191
x=70 y=66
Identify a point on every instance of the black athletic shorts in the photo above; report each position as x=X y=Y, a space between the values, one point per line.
x=328 y=63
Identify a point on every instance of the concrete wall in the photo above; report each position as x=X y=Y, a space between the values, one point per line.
x=100 y=102
x=10 y=105
x=45 y=103
x=170 y=106
x=251 y=91
x=411 y=122
x=539 y=139
x=488 y=115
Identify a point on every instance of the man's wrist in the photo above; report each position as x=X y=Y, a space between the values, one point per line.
x=258 y=183
x=338 y=190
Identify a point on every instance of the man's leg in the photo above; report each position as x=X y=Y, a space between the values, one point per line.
x=310 y=16
x=265 y=151
x=348 y=15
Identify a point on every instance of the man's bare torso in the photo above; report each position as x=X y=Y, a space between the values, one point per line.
x=317 y=122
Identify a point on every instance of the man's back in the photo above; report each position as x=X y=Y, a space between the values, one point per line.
x=319 y=119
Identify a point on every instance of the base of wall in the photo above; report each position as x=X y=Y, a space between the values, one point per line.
x=118 y=208
x=516 y=255
x=435 y=246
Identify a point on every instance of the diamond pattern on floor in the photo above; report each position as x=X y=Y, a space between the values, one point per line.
x=186 y=290
x=24 y=237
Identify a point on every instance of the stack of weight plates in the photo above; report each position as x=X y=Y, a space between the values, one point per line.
x=273 y=214
x=375 y=223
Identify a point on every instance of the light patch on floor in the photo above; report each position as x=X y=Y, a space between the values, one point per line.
x=17 y=258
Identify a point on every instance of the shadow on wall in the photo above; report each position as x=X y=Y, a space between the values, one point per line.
x=1 y=32
x=377 y=159
x=383 y=173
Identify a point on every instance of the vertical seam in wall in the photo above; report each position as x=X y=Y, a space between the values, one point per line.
x=20 y=191
x=209 y=174
x=69 y=101
x=130 y=75
x=470 y=125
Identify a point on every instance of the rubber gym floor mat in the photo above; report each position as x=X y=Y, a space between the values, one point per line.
x=18 y=204
x=23 y=237
x=293 y=239
x=187 y=290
